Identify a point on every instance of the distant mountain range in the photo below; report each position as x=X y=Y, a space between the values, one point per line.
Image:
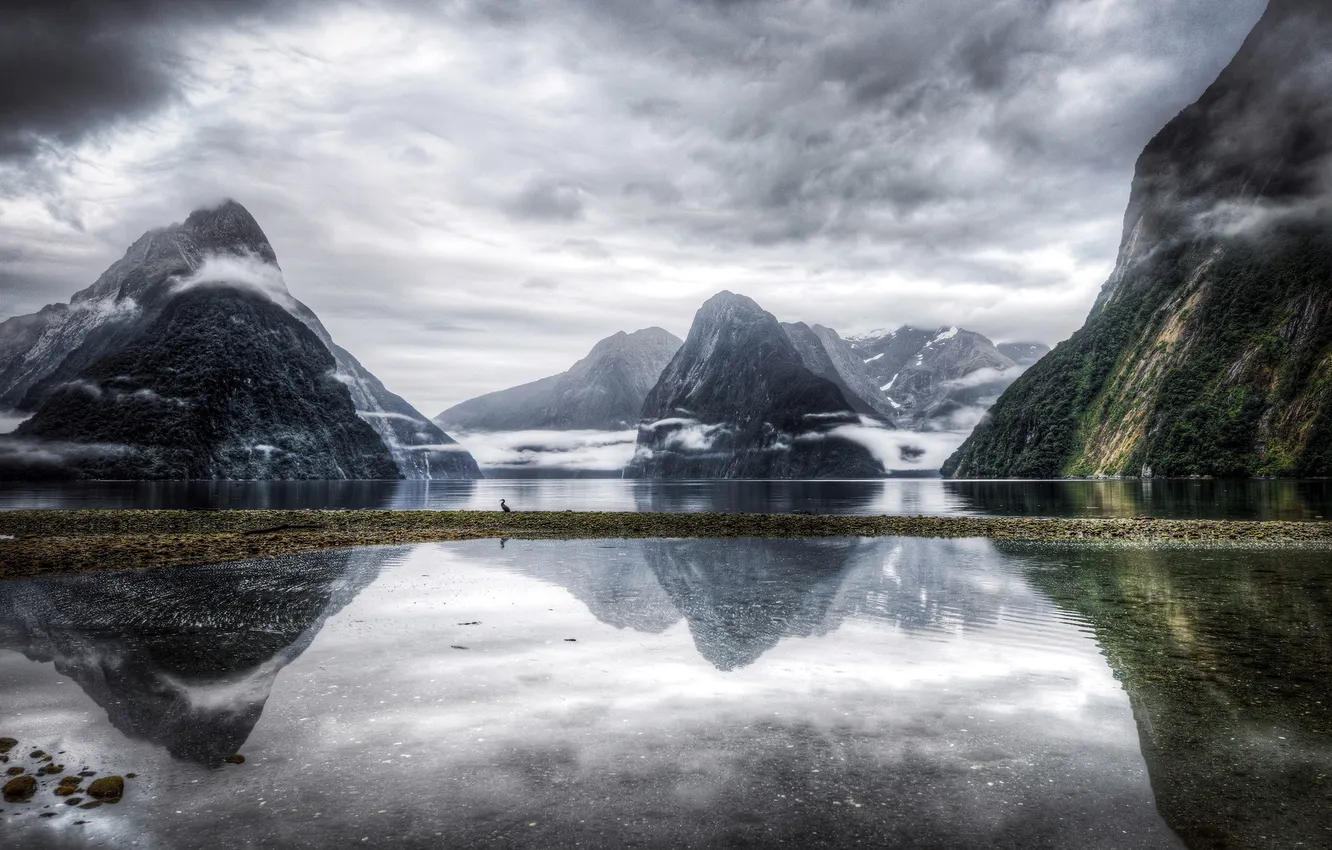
x=940 y=379
x=748 y=386
x=189 y=358
x=1209 y=350
x=604 y=391
x=909 y=378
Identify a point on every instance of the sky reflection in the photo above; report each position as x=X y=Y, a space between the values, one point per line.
x=599 y=693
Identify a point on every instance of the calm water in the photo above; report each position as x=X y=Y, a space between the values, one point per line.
x=904 y=693
x=1291 y=500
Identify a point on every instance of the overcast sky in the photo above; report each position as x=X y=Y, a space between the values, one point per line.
x=470 y=194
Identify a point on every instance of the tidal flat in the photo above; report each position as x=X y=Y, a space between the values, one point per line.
x=44 y=542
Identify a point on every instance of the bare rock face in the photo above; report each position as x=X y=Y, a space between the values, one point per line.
x=736 y=401
x=166 y=347
x=1208 y=350
x=604 y=391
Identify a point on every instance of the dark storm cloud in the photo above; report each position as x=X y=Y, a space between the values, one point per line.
x=70 y=67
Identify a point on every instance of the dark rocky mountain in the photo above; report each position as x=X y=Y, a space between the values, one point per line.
x=940 y=379
x=66 y=365
x=177 y=403
x=604 y=391
x=1023 y=353
x=1209 y=349
x=829 y=356
x=737 y=402
x=192 y=676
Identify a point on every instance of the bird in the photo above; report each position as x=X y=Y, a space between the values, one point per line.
x=505 y=507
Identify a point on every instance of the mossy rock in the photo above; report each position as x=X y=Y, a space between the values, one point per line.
x=36 y=754
x=70 y=780
x=7 y=744
x=235 y=758
x=107 y=788
x=66 y=790
x=15 y=771
x=20 y=788
x=73 y=801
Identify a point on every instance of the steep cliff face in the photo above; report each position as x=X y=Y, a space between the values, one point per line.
x=1209 y=350
x=604 y=391
x=53 y=356
x=737 y=402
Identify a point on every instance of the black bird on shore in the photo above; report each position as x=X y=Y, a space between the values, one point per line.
x=505 y=507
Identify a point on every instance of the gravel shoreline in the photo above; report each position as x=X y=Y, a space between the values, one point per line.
x=53 y=541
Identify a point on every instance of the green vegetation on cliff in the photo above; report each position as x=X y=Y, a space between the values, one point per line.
x=1209 y=351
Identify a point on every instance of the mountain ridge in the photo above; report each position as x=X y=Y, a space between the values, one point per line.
x=603 y=390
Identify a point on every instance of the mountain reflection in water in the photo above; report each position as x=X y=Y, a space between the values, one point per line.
x=896 y=692
x=183 y=659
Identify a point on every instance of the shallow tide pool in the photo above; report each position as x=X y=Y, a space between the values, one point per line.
x=886 y=692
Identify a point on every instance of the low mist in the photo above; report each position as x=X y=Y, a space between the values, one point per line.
x=576 y=451
x=243 y=271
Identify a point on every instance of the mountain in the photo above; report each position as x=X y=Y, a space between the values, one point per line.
x=936 y=380
x=1209 y=349
x=737 y=402
x=188 y=357
x=829 y=356
x=602 y=392
x=1023 y=353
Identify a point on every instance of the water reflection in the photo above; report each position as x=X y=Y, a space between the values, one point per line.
x=1228 y=660
x=741 y=598
x=184 y=659
x=1177 y=499
x=592 y=693
x=1290 y=500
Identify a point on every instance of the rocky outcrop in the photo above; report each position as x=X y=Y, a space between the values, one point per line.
x=604 y=391
x=1208 y=350
x=736 y=401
